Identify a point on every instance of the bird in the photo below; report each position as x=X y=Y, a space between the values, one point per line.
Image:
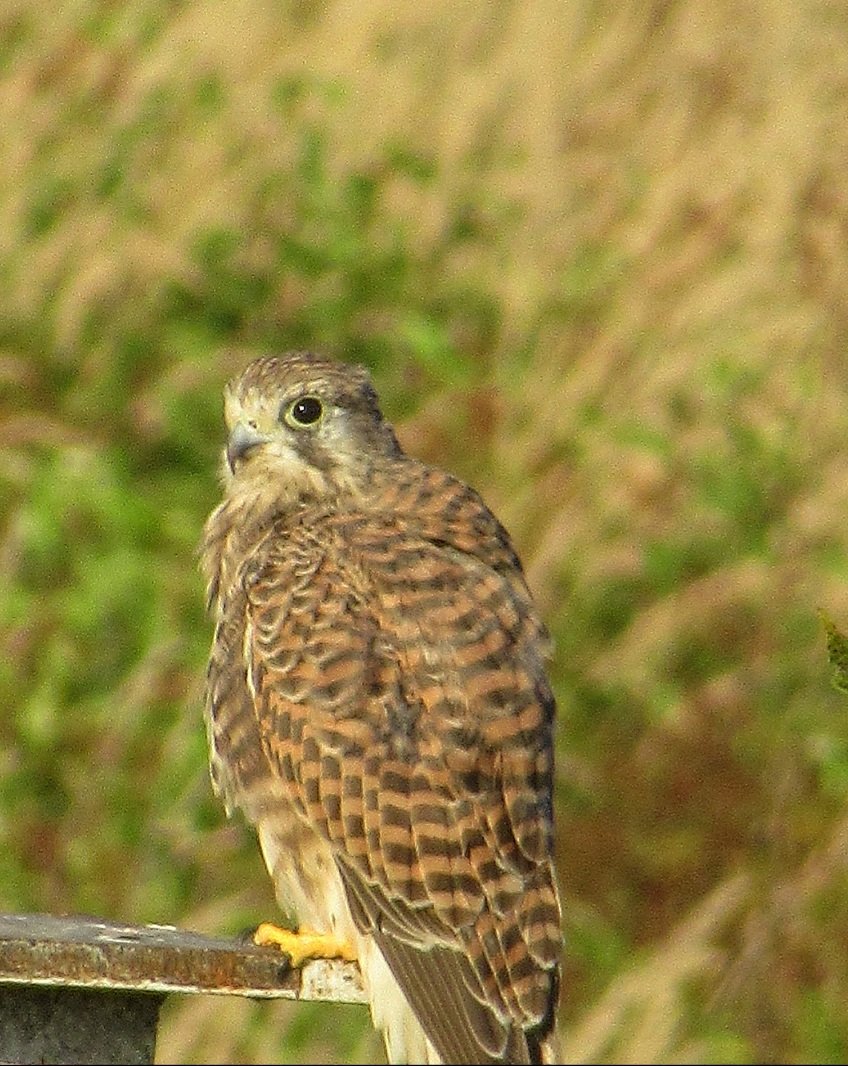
x=378 y=709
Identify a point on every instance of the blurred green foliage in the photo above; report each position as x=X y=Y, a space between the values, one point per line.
x=609 y=298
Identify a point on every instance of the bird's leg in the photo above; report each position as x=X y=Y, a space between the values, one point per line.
x=304 y=944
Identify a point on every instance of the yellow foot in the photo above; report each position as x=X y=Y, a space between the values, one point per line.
x=304 y=944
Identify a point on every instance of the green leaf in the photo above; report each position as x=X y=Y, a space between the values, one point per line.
x=837 y=652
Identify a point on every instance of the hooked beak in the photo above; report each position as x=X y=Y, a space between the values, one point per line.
x=242 y=439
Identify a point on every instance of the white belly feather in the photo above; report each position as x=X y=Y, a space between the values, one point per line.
x=307 y=882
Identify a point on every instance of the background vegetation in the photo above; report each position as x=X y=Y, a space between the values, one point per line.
x=596 y=256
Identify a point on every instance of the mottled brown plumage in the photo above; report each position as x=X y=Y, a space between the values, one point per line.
x=378 y=708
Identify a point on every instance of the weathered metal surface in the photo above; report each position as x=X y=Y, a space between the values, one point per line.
x=77 y=1025
x=85 y=952
x=76 y=989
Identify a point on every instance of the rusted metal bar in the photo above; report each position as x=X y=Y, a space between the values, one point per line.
x=76 y=989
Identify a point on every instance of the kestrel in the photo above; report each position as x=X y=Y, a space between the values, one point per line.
x=378 y=708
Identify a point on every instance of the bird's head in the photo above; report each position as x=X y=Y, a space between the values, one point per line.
x=311 y=423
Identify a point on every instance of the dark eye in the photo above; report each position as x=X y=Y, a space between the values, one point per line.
x=304 y=412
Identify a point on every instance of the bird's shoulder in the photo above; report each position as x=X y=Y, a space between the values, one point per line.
x=406 y=523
